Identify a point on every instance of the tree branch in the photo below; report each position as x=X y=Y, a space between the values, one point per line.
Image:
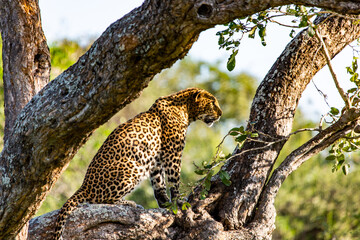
x=322 y=140
x=105 y=221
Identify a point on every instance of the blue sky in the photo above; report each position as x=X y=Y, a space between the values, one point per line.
x=81 y=20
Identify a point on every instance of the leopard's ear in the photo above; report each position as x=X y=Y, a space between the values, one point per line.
x=199 y=95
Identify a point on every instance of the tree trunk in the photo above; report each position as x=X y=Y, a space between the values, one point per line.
x=26 y=57
x=59 y=119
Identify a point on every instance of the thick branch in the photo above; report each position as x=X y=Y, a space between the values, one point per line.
x=101 y=221
x=322 y=140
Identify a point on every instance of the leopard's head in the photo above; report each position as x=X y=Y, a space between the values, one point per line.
x=206 y=107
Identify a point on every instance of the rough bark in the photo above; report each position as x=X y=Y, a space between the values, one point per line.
x=26 y=56
x=57 y=121
x=101 y=221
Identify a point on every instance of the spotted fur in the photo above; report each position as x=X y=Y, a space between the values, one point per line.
x=152 y=142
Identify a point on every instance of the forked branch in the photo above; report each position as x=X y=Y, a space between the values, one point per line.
x=347 y=122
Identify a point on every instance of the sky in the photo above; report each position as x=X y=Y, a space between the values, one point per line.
x=84 y=19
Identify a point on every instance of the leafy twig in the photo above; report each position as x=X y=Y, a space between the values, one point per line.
x=208 y=169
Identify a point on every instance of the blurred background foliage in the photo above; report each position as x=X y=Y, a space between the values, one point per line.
x=313 y=203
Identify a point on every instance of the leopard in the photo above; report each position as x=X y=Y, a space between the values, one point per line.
x=151 y=143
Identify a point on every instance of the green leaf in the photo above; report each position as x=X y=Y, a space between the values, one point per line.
x=224 y=176
x=330 y=157
x=311 y=31
x=207 y=183
x=231 y=61
x=349 y=70
x=174 y=208
x=241 y=129
x=262 y=34
x=252 y=32
x=241 y=138
x=221 y=39
x=203 y=194
x=235 y=129
x=254 y=21
x=303 y=22
x=208 y=166
x=352 y=90
x=226 y=182
x=234 y=133
x=341 y=158
x=200 y=171
x=334 y=111
x=185 y=206
x=232 y=25
x=167 y=204
x=347 y=149
x=292 y=33
x=354 y=65
x=340 y=163
x=254 y=135
x=303 y=10
x=291 y=11
x=262 y=31
x=337 y=166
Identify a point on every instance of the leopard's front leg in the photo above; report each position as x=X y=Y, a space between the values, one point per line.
x=157 y=176
x=171 y=162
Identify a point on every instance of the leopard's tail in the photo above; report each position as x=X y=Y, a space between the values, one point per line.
x=66 y=210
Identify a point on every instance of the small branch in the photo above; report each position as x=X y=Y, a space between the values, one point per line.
x=357 y=147
x=352 y=138
x=267 y=144
x=305 y=130
x=355 y=96
x=328 y=61
x=313 y=82
x=322 y=121
x=283 y=24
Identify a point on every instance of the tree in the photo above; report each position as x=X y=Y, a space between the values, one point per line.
x=44 y=131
